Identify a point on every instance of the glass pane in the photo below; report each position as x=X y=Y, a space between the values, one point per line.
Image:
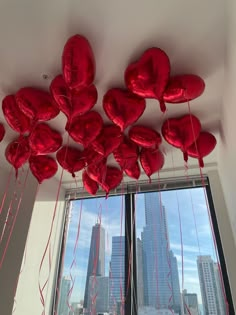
x=177 y=268
x=92 y=275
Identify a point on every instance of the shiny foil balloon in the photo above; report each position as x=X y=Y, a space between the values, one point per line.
x=91 y=156
x=108 y=140
x=113 y=179
x=126 y=155
x=43 y=139
x=78 y=63
x=42 y=167
x=2 y=132
x=152 y=161
x=85 y=128
x=183 y=88
x=133 y=171
x=123 y=107
x=18 y=152
x=148 y=77
x=90 y=185
x=15 y=118
x=181 y=132
x=97 y=171
x=203 y=146
x=71 y=159
x=145 y=136
x=37 y=104
x=73 y=102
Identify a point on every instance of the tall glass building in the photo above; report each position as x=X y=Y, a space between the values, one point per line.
x=63 y=299
x=96 y=262
x=117 y=274
x=160 y=271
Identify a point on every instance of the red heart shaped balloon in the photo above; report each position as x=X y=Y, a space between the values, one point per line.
x=126 y=155
x=133 y=171
x=113 y=178
x=18 y=152
x=43 y=139
x=36 y=104
x=97 y=171
x=15 y=118
x=2 y=132
x=71 y=101
x=85 y=128
x=149 y=76
x=123 y=107
x=90 y=185
x=152 y=160
x=78 y=63
x=71 y=159
x=203 y=146
x=43 y=167
x=181 y=132
x=108 y=140
x=145 y=136
x=91 y=156
x=183 y=88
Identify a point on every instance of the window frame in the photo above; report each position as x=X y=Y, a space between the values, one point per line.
x=129 y=190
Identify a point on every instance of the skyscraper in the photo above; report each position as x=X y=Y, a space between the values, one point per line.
x=140 y=284
x=160 y=272
x=190 y=303
x=98 y=301
x=63 y=308
x=176 y=296
x=117 y=274
x=219 y=289
x=209 y=284
x=96 y=262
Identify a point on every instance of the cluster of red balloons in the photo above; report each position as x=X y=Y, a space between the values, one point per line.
x=73 y=92
x=185 y=133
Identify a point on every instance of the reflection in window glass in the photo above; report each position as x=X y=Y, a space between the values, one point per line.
x=92 y=275
x=166 y=284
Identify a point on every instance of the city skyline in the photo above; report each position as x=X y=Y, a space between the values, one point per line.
x=111 y=220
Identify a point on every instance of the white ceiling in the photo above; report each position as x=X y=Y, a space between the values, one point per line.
x=33 y=33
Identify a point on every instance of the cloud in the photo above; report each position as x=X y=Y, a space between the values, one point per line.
x=202 y=231
x=186 y=248
x=186 y=260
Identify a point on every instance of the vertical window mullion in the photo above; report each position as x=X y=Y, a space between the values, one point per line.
x=128 y=221
x=131 y=303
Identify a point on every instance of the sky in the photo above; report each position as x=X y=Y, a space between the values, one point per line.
x=196 y=233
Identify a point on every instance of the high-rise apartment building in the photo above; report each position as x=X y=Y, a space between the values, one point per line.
x=190 y=303
x=219 y=289
x=63 y=308
x=209 y=284
x=160 y=272
x=96 y=262
x=117 y=274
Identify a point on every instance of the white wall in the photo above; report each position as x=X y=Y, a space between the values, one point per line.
x=225 y=229
x=227 y=152
x=227 y=156
x=39 y=221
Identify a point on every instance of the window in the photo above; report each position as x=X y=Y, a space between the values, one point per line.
x=144 y=250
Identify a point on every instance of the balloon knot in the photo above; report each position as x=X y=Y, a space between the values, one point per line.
x=162 y=106
x=185 y=156
x=73 y=175
x=201 y=163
